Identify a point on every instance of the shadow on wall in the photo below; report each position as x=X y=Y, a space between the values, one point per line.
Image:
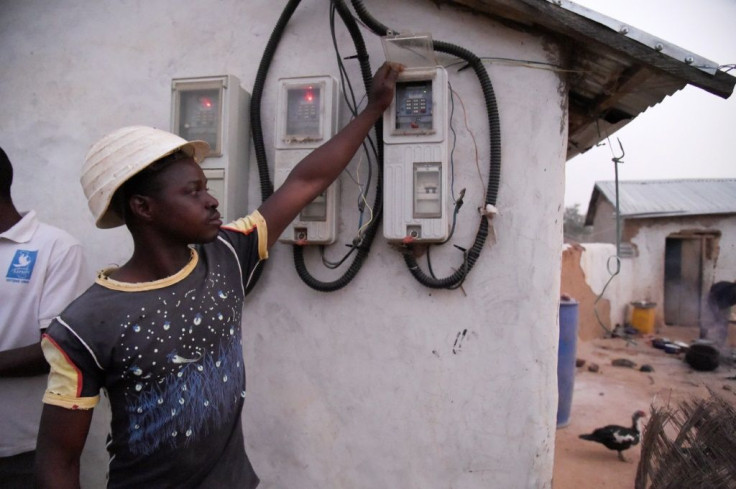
x=574 y=285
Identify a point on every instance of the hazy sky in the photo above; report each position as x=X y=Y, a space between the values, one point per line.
x=690 y=134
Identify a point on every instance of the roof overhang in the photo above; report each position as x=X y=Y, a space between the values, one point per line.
x=616 y=71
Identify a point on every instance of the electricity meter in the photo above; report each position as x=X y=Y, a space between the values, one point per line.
x=307 y=116
x=415 y=133
x=215 y=109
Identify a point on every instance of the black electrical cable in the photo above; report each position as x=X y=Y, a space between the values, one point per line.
x=255 y=117
x=470 y=256
x=257 y=95
x=458 y=205
x=364 y=242
x=363 y=245
x=347 y=92
x=352 y=105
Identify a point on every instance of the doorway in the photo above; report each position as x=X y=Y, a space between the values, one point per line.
x=688 y=266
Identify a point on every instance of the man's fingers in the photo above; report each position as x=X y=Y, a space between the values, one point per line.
x=394 y=69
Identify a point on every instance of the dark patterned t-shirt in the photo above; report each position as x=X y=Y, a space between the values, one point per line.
x=169 y=356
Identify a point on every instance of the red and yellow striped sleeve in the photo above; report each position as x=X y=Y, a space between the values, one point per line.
x=65 y=379
x=250 y=223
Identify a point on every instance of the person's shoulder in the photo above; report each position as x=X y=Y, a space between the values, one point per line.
x=94 y=302
x=249 y=229
x=723 y=294
x=247 y=224
x=56 y=234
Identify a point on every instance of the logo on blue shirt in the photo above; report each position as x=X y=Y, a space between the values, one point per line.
x=21 y=267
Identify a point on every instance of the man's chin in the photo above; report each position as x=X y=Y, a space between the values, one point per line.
x=207 y=238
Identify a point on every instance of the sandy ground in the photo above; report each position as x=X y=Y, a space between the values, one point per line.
x=611 y=396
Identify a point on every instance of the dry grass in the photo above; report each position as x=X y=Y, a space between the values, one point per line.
x=690 y=446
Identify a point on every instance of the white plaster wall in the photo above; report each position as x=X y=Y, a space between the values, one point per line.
x=384 y=383
x=617 y=280
x=607 y=277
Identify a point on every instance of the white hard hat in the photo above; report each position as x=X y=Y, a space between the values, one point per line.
x=115 y=158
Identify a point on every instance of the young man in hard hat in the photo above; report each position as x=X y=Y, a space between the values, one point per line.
x=161 y=334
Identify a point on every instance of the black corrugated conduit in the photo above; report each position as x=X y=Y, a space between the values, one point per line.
x=255 y=115
x=470 y=256
x=364 y=241
x=363 y=247
x=257 y=95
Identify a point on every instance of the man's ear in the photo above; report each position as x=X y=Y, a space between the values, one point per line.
x=140 y=207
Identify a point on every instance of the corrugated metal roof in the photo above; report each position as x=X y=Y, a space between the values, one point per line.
x=665 y=198
x=615 y=71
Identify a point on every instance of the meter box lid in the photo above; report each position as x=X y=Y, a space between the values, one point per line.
x=414 y=51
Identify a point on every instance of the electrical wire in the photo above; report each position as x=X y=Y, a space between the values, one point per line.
x=332 y=265
x=255 y=117
x=361 y=243
x=469 y=256
x=537 y=65
x=475 y=143
x=617 y=258
x=350 y=102
x=361 y=226
x=457 y=203
x=454 y=140
x=353 y=106
x=363 y=201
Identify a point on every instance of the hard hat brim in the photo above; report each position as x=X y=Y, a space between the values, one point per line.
x=119 y=156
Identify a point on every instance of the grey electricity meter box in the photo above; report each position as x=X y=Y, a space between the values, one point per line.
x=416 y=155
x=307 y=116
x=215 y=109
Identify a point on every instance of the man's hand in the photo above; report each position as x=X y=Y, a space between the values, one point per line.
x=382 y=87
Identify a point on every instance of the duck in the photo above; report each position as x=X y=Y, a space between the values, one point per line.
x=618 y=438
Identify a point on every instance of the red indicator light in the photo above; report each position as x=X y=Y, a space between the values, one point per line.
x=309 y=96
x=205 y=102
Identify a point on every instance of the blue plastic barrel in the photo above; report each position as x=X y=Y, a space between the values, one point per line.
x=566 y=357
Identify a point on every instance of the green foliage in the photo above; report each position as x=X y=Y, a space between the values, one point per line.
x=573 y=224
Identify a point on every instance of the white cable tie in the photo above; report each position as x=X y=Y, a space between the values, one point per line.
x=489 y=211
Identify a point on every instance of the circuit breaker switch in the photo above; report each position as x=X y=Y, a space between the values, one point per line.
x=427 y=190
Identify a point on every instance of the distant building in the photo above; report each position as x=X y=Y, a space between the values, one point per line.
x=680 y=236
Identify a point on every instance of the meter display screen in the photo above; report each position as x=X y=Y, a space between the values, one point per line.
x=303 y=112
x=414 y=105
x=200 y=116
